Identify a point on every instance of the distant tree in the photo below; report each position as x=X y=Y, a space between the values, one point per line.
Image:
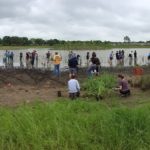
x=127 y=39
x=6 y=41
x=15 y=41
x=140 y=42
x=39 y=42
x=0 y=41
x=25 y=41
x=52 y=42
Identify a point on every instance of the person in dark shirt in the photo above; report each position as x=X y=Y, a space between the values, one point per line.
x=95 y=65
x=73 y=64
x=135 y=57
x=87 y=58
x=33 y=58
x=123 y=86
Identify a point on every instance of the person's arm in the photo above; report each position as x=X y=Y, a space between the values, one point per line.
x=68 y=85
x=78 y=85
x=118 y=88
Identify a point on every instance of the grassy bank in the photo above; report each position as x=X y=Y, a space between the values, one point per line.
x=75 y=125
x=76 y=47
x=97 y=46
x=22 y=47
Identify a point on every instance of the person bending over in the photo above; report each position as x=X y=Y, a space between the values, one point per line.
x=74 y=87
x=123 y=86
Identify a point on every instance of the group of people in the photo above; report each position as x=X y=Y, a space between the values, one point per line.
x=31 y=59
x=74 y=61
x=8 y=59
x=94 y=67
x=120 y=56
x=74 y=86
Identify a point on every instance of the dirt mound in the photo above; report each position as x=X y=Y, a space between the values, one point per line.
x=28 y=77
x=21 y=85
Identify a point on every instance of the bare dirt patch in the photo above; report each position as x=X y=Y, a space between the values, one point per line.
x=19 y=86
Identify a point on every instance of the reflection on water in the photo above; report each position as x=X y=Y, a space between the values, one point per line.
x=103 y=55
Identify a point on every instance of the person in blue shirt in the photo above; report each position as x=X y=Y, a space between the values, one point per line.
x=73 y=64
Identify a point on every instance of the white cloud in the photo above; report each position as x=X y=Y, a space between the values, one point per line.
x=76 y=19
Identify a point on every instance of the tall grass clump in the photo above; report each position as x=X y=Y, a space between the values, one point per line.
x=74 y=125
x=101 y=86
x=142 y=82
x=145 y=82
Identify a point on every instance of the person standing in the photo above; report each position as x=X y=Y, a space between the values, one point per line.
x=87 y=58
x=33 y=58
x=48 y=54
x=135 y=57
x=95 y=65
x=73 y=64
x=27 y=60
x=21 y=60
x=111 y=59
x=36 y=59
x=148 y=58
x=117 y=58
x=73 y=87
x=130 y=59
x=122 y=53
x=57 y=60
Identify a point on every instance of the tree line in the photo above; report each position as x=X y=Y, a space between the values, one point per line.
x=24 y=41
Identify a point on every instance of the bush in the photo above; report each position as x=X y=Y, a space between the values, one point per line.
x=142 y=82
x=99 y=86
x=145 y=82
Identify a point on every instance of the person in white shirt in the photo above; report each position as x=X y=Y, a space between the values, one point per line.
x=73 y=87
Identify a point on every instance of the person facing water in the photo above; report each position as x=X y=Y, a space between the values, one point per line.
x=135 y=57
x=110 y=59
x=95 y=65
x=73 y=87
x=87 y=58
x=57 y=60
x=73 y=63
x=123 y=86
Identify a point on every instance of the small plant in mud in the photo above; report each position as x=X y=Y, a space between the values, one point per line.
x=99 y=87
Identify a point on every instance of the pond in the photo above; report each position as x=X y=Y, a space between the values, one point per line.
x=103 y=55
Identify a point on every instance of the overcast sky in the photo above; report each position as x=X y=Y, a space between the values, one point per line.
x=76 y=19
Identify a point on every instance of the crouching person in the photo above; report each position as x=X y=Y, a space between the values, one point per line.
x=74 y=87
x=123 y=86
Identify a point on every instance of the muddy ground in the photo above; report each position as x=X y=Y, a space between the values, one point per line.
x=19 y=86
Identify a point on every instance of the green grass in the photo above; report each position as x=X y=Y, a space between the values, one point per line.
x=100 y=86
x=73 y=125
x=76 y=46
x=102 y=46
x=22 y=47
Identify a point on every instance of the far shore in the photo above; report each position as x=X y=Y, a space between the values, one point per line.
x=62 y=47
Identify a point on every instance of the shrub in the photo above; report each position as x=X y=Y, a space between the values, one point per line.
x=145 y=82
x=99 y=86
x=142 y=82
